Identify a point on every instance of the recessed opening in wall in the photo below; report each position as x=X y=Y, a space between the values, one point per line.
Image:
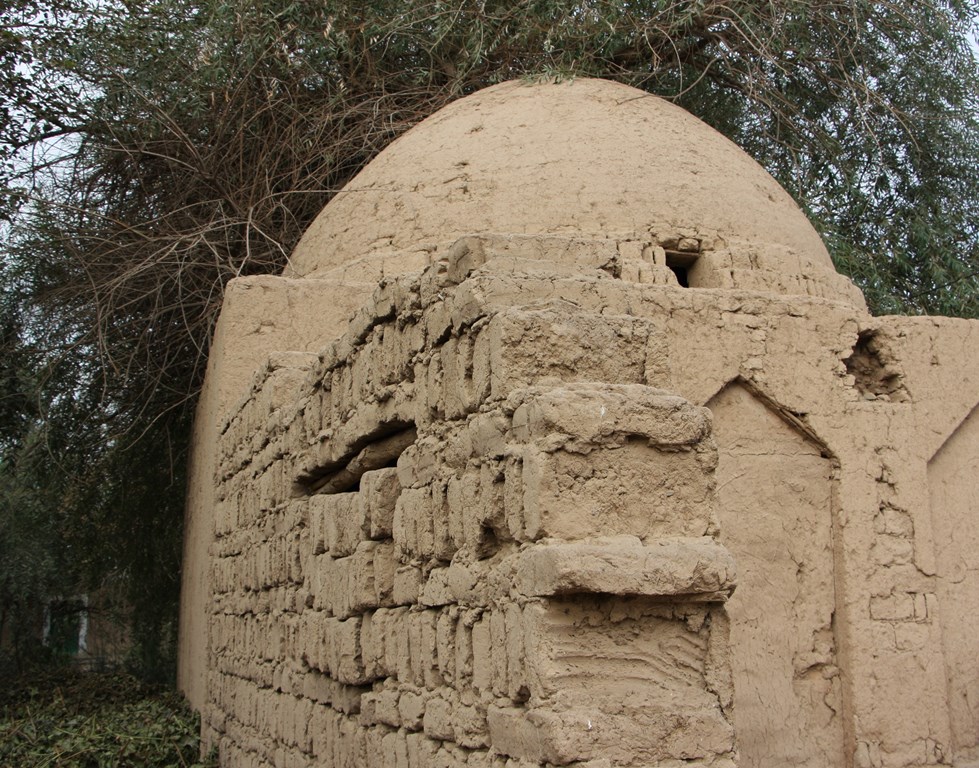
x=378 y=450
x=875 y=372
x=489 y=541
x=680 y=263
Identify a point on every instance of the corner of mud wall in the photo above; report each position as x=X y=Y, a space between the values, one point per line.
x=260 y=315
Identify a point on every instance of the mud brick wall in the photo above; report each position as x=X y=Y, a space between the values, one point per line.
x=497 y=522
x=438 y=547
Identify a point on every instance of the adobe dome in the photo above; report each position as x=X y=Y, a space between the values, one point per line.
x=587 y=158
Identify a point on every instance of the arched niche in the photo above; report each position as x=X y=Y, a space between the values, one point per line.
x=953 y=486
x=775 y=489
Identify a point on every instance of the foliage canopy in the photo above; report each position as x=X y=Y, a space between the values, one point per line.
x=155 y=149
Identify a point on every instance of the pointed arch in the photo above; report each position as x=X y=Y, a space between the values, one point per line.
x=776 y=491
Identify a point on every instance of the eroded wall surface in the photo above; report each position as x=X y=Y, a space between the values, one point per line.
x=775 y=502
x=259 y=315
x=953 y=483
x=426 y=554
x=481 y=528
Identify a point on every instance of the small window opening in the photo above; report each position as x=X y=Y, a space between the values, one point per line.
x=377 y=451
x=680 y=264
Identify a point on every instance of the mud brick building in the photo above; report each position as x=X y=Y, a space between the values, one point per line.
x=562 y=443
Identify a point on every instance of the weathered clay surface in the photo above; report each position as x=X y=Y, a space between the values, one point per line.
x=259 y=316
x=776 y=512
x=532 y=572
x=585 y=158
x=540 y=505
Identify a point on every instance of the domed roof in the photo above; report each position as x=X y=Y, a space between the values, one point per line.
x=585 y=157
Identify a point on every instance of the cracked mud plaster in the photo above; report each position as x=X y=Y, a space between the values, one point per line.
x=953 y=479
x=774 y=502
x=875 y=373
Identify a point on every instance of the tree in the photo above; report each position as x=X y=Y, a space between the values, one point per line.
x=34 y=562
x=199 y=139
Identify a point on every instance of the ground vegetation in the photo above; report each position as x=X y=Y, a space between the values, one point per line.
x=61 y=719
